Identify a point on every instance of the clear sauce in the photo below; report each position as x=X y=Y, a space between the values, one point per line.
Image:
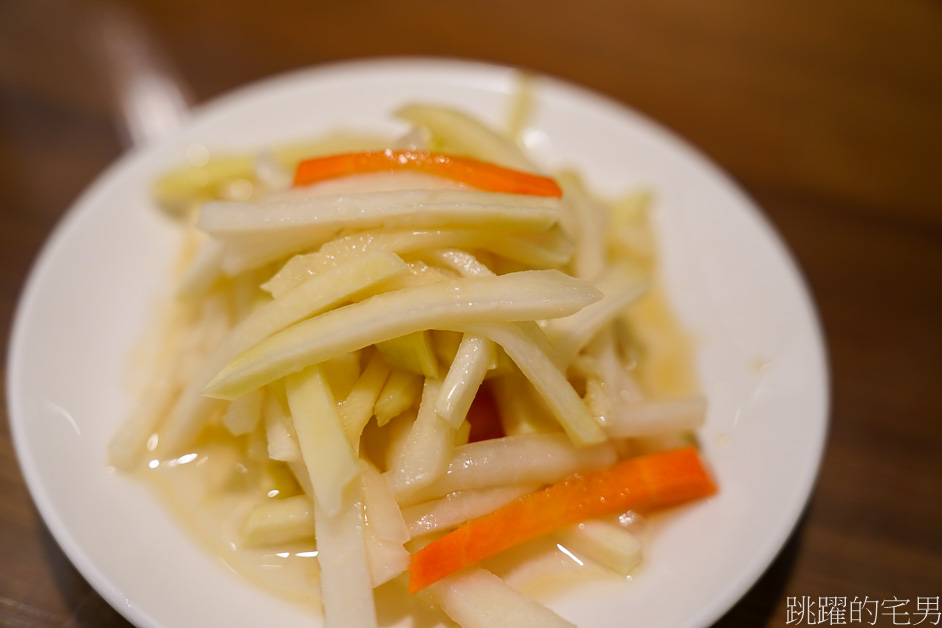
x=211 y=490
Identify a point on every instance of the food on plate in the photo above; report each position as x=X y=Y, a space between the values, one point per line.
x=404 y=370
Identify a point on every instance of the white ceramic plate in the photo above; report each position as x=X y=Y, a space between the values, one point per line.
x=761 y=358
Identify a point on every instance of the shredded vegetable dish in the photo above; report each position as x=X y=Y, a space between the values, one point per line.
x=393 y=376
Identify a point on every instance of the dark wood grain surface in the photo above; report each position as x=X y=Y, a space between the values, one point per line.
x=828 y=113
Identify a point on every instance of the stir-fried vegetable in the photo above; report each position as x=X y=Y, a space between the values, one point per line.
x=411 y=358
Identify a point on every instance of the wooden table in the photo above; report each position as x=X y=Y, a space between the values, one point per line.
x=828 y=113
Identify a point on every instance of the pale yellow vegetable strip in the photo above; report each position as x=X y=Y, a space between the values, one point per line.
x=159 y=389
x=412 y=352
x=456 y=132
x=610 y=383
x=463 y=434
x=382 y=509
x=522 y=459
x=401 y=391
x=543 y=249
x=251 y=252
x=342 y=373
x=203 y=271
x=396 y=433
x=210 y=325
x=655 y=416
x=357 y=408
x=589 y=256
x=322 y=216
x=328 y=455
x=475 y=356
x=606 y=544
x=346 y=582
x=302 y=267
x=240 y=254
x=521 y=410
x=299 y=471
x=456 y=508
x=279 y=521
x=476 y=598
x=279 y=431
x=385 y=529
x=309 y=298
x=243 y=414
x=420 y=274
x=527 y=346
x=126 y=449
x=622 y=285
x=449 y=304
x=521 y=108
x=538 y=250
x=177 y=190
x=428 y=448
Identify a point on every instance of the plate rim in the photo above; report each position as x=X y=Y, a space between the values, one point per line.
x=82 y=206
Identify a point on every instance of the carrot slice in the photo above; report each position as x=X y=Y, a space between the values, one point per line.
x=477 y=174
x=644 y=483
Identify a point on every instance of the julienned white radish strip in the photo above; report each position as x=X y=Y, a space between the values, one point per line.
x=476 y=598
x=244 y=413
x=656 y=416
x=450 y=304
x=328 y=455
x=301 y=267
x=427 y=449
x=159 y=389
x=520 y=407
x=400 y=392
x=621 y=286
x=346 y=581
x=309 y=298
x=606 y=544
x=527 y=346
x=536 y=250
x=279 y=431
x=240 y=254
x=522 y=459
x=475 y=356
x=322 y=216
x=385 y=530
x=203 y=271
x=277 y=521
x=456 y=132
x=382 y=509
x=589 y=224
x=456 y=508
x=462 y=262
x=413 y=352
x=357 y=407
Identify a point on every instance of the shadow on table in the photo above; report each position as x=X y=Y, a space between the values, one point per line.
x=761 y=605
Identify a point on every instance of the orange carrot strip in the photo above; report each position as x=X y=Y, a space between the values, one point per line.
x=477 y=174
x=644 y=483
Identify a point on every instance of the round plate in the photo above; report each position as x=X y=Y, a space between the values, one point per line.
x=760 y=354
